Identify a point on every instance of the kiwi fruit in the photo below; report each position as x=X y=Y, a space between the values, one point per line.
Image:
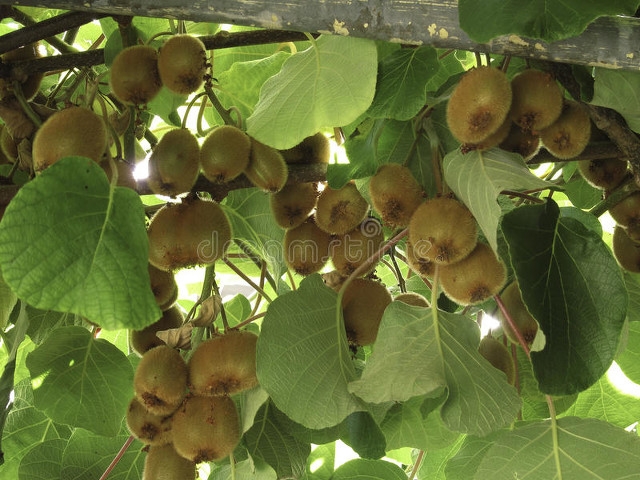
x=72 y=131
x=313 y=149
x=568 y=136
x=523 y=143
x=193 y=232
x=164 y=287
x=160 y=380
x=164 y=463
x=395 y=194
x=475 y=278
x=174 y=163
x=442 y=230
x=606 y=173
x=363 y=305
x=125 y=173
x=224 y=364
x=135 y=79
x=498 y=355
x=626 y=212
x=306 y=248
x=412 y=298
x=206 y=429
x=420 y=265
x=293 y=204
x=142 y=341
x=479 y=104
x=522 y=319
x=182 y=64
x=339 y=211
x=491 y=141
x=30 y=84
x=150 y=429
x=537 y=100
x=351 y=250
x=267 y=169
x=225 y=153
x=625 y=250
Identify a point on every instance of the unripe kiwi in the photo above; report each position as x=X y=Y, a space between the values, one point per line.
x=225 y=153
x=395 y=194
x=30 y=84
x=339 y=211
x=363 y=305
x=160 y=380
x=568 y=136
x=72 y=131
x=497 y=354
x=267 y=169
x=627 y=211
x=194 y=232
x=626 y=251
x=224 y=364
x=164 y=463
x=293 y=204
x=182 y=63
x=150 y=429
x=606 y=173
x=479 y=104
x=306 y=248
x=526 y=324
x=135 y=79
x=412 y=298
x=537 y=100
x=144 y=340
x=442 y=230
x=419 y=264
x=174 y=163
x=163 y=286
x=475 y=278
x=206 y=429
x=351 y=250
x=313 y=149
x=518 y=141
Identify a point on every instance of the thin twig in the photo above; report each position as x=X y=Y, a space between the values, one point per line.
x=253 y=284
x=118 y=457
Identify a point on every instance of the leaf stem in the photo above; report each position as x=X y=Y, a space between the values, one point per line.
x=514 y=327
x=26 y=108
x=223 y=312
x=434 y=311
x=417 y=464
x=242 y=275
x=249 y=320
x=554 y=435
x=118 y=457
x=616 y=196
x=223 y=112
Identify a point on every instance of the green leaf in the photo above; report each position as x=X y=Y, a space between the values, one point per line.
x=165 y=105
x=303 y=361
x=581 y=194
x=43 y=461
x=248 y=469
x=81 y=381
x=237 y=309
x=629 y=360
x=43 y=322
x=478 y=177
x=620 y=90
x=402 y=80
x=632 y=282
x=363 y=435
x=573 y=287
x=8 y=300
x=250 y=402
x=71 y=242
x=363 y=469
x=316 y=89
x=320 y=464
x=464 y=464
x=434 y=462
x=540 y=19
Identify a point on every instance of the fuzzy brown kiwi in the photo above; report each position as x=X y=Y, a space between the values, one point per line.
x=267 y=169
x=224 y=364
x=395 y=194
x=479 y=104
x=194 y=232
x=182 y=63
x=606 y=173
x=418 y=263
x=142 y=341
x=363 y=305
x=174 y=163
x=306 y=248
x=339 y=211
x=164 y=463
x=537 y=100
x=412 y=298
x=150 y=429
x=492 y=140
x=475 y=278
x=351 y=250
x=498 y=355
x=442 y=230
x=526 y=324
x=568 y=136
x=225 y=153
x=163 y=286
x=313 y=149
x=160 y=380
x=30 y=84
x=206 y=429
x=135 y=79
x=625 y=250
x=523 y=143
x=293 y=204
x=72 y=131
x=626 y=212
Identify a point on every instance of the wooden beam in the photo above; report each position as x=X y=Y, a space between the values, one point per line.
x=612 y=42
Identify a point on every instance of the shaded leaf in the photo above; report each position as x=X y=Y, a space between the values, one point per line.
x=363 y=435
x=248 y=469
x=629 y=360
x=618 y=89
x=43 y=461
x=363 y=469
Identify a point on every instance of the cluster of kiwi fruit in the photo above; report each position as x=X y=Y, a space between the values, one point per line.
x=486 y=110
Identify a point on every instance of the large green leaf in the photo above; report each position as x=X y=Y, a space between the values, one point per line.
x=629 y=360
x=478 y=177
x=620 y=90
x=363 y=469
x=315 y=89
x=71 y=242
x=544 y=19
x=43 y=461
x=573 y=286
x=362 y=433
x=81 y=381
x=248 y=469
x=303 y=360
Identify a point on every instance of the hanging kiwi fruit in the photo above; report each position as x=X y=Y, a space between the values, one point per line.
x=150 y=429
x=418 y=263
x=306 y=248
x=363 y=305
x=568 y=136
x=537 y=100
x=267 y=169
x=142 y=341
x=29 y=84
x=412 y=298
x=339 y=211
x=522 y=319
x=174 y=163
x=292 y=205
x=498 y=355
x=313 y=149
x=625 y=250
x=395 y=194
x=182 y=63
x=225 y=153
x=354 y=248
x=522 y=142
x=606 y=173
x=164 y=463
x=134 y=76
